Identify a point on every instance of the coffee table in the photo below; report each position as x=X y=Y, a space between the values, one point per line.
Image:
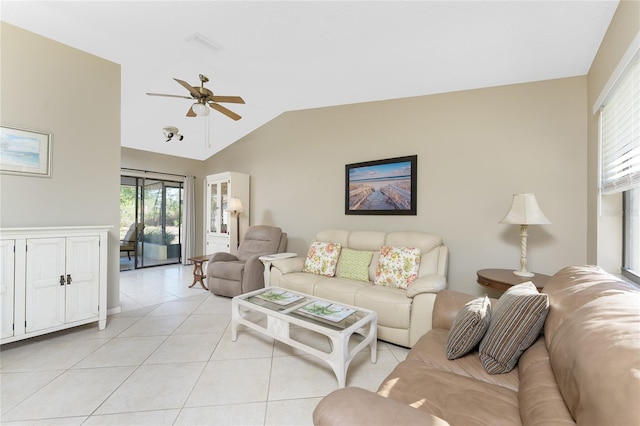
x=282 y=314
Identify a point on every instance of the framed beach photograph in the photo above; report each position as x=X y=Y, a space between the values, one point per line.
x=382 y=187
x=25 y=152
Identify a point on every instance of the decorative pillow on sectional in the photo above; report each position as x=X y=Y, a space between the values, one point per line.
x=354 y=264
x=397 y=266
x=468 y=328
x=322 y=258
x=516 y=321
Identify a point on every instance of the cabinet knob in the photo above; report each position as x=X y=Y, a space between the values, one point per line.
x=68 y=279
x=61 y=279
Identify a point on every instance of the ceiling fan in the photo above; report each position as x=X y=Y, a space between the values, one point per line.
x=205 y=97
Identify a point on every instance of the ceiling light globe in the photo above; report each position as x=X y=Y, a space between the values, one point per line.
x=200 y=109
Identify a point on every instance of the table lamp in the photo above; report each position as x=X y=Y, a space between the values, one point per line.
x=235 y=206
x=524 y=211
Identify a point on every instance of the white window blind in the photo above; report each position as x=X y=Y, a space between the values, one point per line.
x=620 y=132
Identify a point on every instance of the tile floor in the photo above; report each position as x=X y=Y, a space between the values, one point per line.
x=168 y=359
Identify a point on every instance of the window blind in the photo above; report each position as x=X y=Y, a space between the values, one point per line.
x=620 y=132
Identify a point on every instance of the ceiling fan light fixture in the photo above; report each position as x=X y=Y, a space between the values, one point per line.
x=200 y=109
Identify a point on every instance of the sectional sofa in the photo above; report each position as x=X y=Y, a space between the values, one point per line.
x=583 y=369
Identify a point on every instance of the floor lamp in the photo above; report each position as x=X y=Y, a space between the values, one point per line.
x=235 y=207
x=524 y=211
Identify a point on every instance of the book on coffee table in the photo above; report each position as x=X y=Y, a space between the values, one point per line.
x=327 y=310
x=280 y=297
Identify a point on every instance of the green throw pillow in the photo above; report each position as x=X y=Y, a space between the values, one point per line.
x=354 y=264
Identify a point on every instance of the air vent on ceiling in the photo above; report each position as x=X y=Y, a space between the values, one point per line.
x=199 y=40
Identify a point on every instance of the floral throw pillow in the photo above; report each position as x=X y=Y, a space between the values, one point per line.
x=398 y=266
x=322 y=258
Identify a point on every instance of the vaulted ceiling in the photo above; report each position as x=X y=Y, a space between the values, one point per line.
x=289 y=55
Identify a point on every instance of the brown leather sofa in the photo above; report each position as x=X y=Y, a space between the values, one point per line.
x=584 y=369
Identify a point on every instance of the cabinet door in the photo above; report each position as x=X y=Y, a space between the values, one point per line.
x=217 y=244
x=83 y=278
x=7 y=280
x=45 y=292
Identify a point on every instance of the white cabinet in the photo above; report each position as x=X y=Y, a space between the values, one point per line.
x=52 y=279
x=6 y=287
x=221 y=226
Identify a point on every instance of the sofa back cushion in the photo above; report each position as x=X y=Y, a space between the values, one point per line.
x=432 y=261
x=339 y=236
x=429 y=245
x=593 y=337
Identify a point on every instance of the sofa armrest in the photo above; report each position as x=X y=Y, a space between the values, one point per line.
x=287 y=266
x=446 y=307
x=428 y=284
x=253 y=275
x=222 y=257
x=354 y=406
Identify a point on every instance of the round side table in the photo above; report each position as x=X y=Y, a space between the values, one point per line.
x=503 y=279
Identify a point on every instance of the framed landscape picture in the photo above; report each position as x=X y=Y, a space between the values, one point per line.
x=382 y=187
x=25 y=152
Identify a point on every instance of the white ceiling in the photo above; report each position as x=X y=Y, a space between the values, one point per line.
x=289 y=55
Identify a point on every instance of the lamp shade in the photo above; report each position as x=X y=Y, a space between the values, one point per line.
x=525 y=211
x=235 y=205
x=200 y=109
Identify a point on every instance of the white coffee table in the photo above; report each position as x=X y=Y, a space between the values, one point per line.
x=280 y=317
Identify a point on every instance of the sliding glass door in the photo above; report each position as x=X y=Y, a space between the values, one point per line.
x=155 y=205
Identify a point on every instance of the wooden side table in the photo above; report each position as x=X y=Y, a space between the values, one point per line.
x=198 y=272
x=503 y=279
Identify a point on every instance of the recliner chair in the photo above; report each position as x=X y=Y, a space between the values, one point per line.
x=229 y=275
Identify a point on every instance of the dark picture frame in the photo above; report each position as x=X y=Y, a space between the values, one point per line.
x=382 y=187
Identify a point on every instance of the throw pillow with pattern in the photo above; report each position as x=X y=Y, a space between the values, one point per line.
x=322 y=258
x=397 y=266
x=469 y=326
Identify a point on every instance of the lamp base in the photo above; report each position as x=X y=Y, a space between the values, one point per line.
x=523 y=274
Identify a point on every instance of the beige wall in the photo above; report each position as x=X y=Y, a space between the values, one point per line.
x=54 y=88
x=475 y=149
x=605 y=220
x=153 y=162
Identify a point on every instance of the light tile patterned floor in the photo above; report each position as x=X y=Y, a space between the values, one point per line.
x=168 y=359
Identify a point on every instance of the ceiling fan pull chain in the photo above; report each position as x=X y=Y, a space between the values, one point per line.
x=207 y=131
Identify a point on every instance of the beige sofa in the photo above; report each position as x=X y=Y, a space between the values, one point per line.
x=403 y=315
x=584 y=369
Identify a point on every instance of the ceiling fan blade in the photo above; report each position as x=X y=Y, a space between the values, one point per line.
x=225 y=111
x=169 y=96
x=191 y=113
x=194 y=92
x=230 y=99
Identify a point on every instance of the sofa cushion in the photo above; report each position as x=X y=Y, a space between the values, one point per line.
x=540 y=399
x=391 y=305
x=429 y=349
x=300 y=281
x=457 y=399
x=469 y=327
x=339 y=289
x=322 y=258
x=354 y=264
x=231 y=270
x=397 y=266
x=516 y=321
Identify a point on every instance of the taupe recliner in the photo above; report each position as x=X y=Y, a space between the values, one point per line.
x=229 y=275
